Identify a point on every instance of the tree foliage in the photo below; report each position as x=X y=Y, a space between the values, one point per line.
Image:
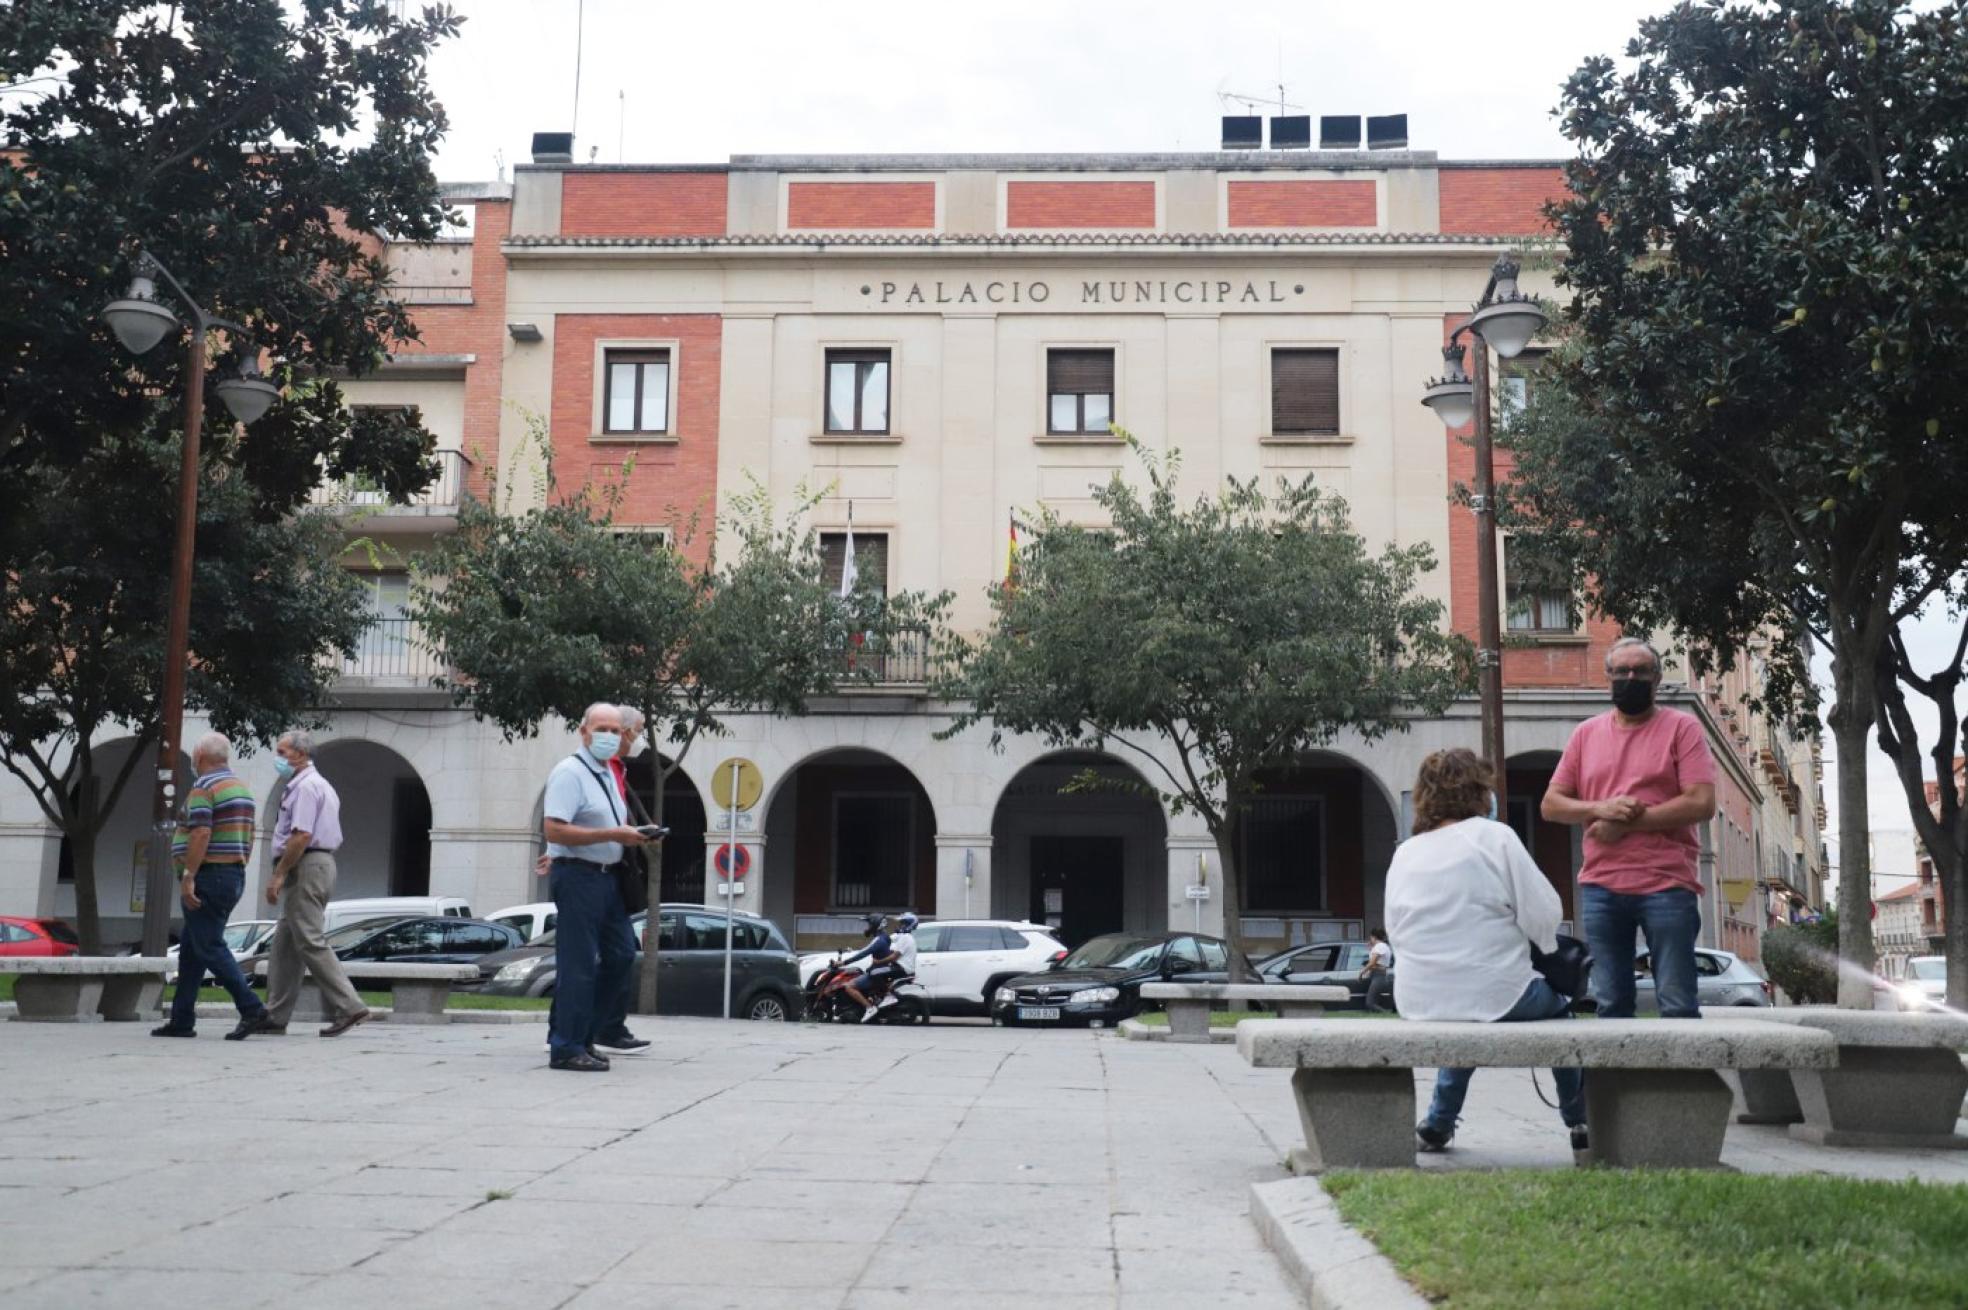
x=258 y=149
x=1212 y=641
x=1758 y=426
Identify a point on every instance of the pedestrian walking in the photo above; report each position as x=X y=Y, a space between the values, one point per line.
x=1638 y=778
x=611 y=1026
x=305 y=840
x=1379 y=972
x=210 y=849
x=586 y=836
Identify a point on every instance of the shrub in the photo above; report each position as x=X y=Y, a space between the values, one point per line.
x=1802 y=958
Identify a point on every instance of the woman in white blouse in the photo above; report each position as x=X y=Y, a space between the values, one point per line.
x=1465 y=903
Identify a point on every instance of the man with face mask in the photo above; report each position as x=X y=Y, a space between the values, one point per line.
x=1638 y=778
x=587 y=830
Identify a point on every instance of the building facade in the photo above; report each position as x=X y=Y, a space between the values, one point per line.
x=936 y=345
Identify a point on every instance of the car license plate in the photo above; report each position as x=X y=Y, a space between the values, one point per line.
x=1038 y=1012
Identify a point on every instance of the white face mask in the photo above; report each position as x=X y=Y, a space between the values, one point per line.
x=604 y=745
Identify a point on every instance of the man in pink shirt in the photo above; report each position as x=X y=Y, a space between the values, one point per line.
x=1639 y=778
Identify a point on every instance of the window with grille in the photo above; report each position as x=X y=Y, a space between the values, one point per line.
x=857 y=391
x=1305 y=392
x=636 y=399
x=1284 y=854
x=1079 y=391
x=874 y=838
x=870 y=560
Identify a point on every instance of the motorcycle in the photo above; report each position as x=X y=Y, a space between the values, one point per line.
x=827 y=1000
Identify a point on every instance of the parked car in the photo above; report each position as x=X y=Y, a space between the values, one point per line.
x=1099 y=982
x=430 y=939
x=530 y=920
x=1336 y=964
x=961 y=962
x=37 y=937
x=247 y=939
x=1925 y=984
x=765 y=980
x=371 y=907
x=1720 y=979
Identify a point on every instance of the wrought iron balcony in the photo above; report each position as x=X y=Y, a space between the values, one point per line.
x=904 y=663
x=393 y=652
x=438 y=500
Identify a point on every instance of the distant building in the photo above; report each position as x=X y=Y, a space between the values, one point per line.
x=1898 y=931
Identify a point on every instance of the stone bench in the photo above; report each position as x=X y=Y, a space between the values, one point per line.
x=1189 y=1004
x=1652 y=1094
x=1899 y=1081
x=84 y=988
x=418 y=992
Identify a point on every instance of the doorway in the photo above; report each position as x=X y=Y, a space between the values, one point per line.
x=1077 y=885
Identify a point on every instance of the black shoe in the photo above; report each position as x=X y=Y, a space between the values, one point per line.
x=258 y=1023
x=593 y=1054
x=579 y=1062
x=1581 y=1145
x=1432 y=1139
x=626 y=1044
x=172 y=1030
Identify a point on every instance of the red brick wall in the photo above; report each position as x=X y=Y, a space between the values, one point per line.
x=477 y=329
x=669 y=482
x=862 y=206
x=1575 y=664
x=1498 y=201
x=1303 y=204
x=643 y=204
x=1053 y=205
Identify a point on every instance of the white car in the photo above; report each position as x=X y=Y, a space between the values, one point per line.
x=243 y=937
x=529 y=920
x=1925 y=984
x=337 y=913
x=960 y=962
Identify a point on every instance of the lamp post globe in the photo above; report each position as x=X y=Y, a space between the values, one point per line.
x=1454 y=402
x=138 y=321
x=1508 y=325
x=247 y=397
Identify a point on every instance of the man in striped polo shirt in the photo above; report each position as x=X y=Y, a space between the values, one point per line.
x=210 y=850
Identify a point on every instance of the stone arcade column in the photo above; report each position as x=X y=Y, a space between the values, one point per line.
x=963 y=876
x=1192 y=859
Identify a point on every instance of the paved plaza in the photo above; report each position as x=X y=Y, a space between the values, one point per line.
x=735 y=1165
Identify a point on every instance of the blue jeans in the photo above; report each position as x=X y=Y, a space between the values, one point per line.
x=1452 y=1085
x=202 y=948
x=591 y=962
x=1670 y=919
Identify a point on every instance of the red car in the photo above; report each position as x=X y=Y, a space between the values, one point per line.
x=20 y=936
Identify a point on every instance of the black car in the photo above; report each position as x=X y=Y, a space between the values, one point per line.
x=1099 y=983
x=421 y=940
x=1335 y=964
x=690 y=965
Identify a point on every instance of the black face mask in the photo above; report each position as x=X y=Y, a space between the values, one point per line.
x=1633 y=695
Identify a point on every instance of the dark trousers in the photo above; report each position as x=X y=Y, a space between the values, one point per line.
x=592 y=961
x=1670 y=921
x=1380 y=991
x=202 y=947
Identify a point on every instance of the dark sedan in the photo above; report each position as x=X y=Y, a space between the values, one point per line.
x=425 y=940
x=1100 y=982
x=1336 y=964
x=690 y=966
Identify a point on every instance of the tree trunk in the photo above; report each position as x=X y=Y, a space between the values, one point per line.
x=82 y=859
x=1233 y=900
x=1851 y=722
x=1954 y=917
x=645 y=997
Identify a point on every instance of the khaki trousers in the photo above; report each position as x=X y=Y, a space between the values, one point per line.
x=298 y=940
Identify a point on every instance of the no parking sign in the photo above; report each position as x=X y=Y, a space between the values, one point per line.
x=732 y=861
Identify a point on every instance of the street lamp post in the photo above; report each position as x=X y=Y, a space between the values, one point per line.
x=139 y=322
x=1504 y=320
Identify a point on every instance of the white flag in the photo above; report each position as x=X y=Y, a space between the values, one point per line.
x=848 y=571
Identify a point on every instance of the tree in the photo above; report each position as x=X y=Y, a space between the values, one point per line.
x=545 y=612
x=260 y=154
x=1213 y=641
x=1759 y=425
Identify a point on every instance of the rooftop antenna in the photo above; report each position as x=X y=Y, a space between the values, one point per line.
x=499 y=163
x=1251 y=103
x=621 y=124
x=580 y=15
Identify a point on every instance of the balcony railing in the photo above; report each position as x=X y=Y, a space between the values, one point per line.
x=905 y=662
x=392 y=650
x=442 y=496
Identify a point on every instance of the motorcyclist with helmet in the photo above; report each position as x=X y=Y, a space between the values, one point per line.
x=903 y=943
x=882 y=968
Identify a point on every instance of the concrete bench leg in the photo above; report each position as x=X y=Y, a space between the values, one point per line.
x=1763 y=1096
x=1657 y=1118
x=131 y=996
x=1300 y=1009
x=419 y=1002
x=1883 y=1096
x=57 y=998
x=1189 y=1021
x=1354 y=1119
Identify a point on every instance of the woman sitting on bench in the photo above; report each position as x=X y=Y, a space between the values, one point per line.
x=1465 y=903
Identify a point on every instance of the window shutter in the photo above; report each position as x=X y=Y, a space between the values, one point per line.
x=1080 y=373
x=1305 y=391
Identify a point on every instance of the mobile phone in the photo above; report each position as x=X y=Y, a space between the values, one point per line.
x=653 y=832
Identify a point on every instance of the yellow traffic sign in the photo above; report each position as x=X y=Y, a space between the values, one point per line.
x=751 y=784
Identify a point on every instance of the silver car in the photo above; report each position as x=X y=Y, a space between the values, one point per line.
x=1720 y=979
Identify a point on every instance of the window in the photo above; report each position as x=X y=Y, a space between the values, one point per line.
x=1514 y=383
x=702 y=932
x=1540 y=609
x=649 y=538
x=1305 y=392
x=870 y=560
x=1079 y=391
x=1010 y=940
x=1215 y=958
x=475 y=939
x=637 y=396
x=10 y=934
x=1183 y=956
x=1317 y=959
x=929 y=939
x=857 y=391
x=974 y=939
x=1284 y=845
x=874 y=839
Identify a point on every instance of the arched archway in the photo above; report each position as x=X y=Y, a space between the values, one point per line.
x=122 y=844
x=847 y=832
x=1084 y=861
x=1557 y=848
x=684 y=855
x=386 y=819
x=1313 y=853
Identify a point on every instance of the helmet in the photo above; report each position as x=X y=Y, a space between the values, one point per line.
x=876 y=922
x=907 y=922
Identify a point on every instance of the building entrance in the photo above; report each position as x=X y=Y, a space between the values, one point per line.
x=1078 y=885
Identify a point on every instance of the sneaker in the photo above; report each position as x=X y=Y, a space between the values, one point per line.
x=1581 y=1145
x=1432 y=1139
x=868 y=1015
x=626 y=1044
x=346 y=1022
x=593 y=1054
x=172 y=1030
x=885 y=1002
x=259 y=1023
x=579 y=1062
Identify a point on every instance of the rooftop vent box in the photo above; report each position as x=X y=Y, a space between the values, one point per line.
x=1291 y=132
x=1339 y=132
x=553 y=147
x=1387 y=132
x=1243 y=132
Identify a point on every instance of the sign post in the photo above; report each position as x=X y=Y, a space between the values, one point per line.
x=731 y=882
x=736 y=785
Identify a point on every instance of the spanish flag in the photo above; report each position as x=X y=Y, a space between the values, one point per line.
x=1011 y=554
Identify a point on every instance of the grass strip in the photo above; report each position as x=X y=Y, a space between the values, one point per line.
x=1629 y=1240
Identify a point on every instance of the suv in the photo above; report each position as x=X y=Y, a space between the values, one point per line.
x=961 y=962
